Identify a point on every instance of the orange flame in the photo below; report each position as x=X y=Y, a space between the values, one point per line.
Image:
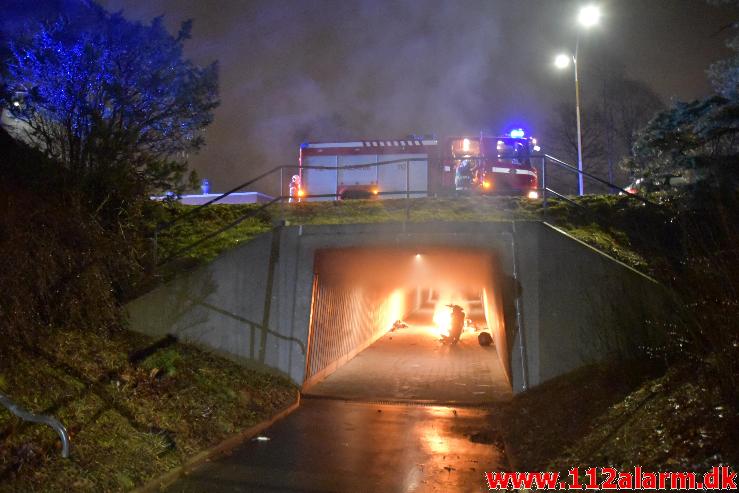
x=442 y=320
x=443 y=314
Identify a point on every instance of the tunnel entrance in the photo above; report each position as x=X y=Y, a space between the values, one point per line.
x=377 y=320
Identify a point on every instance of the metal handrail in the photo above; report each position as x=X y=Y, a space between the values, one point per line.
x=196 y=210
x=253 y=212
x=561 y=196
x=280 y=169
x=38 y=418
x=575 y=170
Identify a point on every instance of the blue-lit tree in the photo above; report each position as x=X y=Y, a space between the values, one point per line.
x=113 y=101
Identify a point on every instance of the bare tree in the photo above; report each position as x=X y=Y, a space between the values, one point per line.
x=560 y=139
x=626 y=105
x=614 y=109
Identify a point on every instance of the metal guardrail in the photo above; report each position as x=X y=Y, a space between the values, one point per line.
x=38 y=418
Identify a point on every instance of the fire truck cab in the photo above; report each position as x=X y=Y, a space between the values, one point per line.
x=492 y=165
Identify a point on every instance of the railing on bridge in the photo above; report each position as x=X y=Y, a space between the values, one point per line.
x=278 y=171
x=249 y=214
x=545 y=191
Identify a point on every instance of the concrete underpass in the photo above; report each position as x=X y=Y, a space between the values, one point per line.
x=316 y=304
x=359 y=294
x=318 y=301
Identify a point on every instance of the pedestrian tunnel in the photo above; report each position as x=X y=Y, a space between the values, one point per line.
x=313 y=302
x=361 y=294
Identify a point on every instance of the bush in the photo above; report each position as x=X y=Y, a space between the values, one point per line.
x=52 y=267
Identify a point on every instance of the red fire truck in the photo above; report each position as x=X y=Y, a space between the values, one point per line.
x=416 y=167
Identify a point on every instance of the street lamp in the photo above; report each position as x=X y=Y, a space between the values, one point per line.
x=588 y=17
x=562 y=61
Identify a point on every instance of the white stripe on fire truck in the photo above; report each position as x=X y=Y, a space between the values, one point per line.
x=513 y=171
x=324 y=145
x=370 y=143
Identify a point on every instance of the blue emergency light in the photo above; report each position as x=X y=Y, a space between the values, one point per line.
x=517 y=133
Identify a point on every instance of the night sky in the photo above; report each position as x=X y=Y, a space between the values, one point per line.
x=311 y=70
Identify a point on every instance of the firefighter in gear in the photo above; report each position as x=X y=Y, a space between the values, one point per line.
x=295 y=189
x=464 y=175
x=457 y=325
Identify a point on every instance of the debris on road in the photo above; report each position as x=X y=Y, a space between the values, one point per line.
x=485 y=339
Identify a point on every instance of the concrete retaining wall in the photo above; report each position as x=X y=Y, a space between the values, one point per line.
x=581 y=306
x=253 y=303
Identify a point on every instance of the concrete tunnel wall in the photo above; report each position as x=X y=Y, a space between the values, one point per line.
x=346 y=318
x=253 y=303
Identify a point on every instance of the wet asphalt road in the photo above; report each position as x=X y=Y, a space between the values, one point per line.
x=339 y=446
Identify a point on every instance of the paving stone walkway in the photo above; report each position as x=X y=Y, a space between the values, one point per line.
x=413 y=365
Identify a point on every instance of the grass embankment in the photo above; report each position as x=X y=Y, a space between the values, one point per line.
x=477 y=208
x=612 y=415
x=134 y=409
x=132 y=414
x=679 y=413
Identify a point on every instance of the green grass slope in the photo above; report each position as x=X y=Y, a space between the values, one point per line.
x=188 y=230
x=132 y=416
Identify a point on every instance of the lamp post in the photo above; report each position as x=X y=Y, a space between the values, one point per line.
x=588 y=17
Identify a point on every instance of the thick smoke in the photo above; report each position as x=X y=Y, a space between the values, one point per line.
x=296 y=71
x=311 y=70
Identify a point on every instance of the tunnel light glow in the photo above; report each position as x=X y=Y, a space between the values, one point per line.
x=562 y=61
x=418 y=256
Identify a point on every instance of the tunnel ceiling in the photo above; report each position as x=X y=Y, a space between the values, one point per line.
x=402 y=267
